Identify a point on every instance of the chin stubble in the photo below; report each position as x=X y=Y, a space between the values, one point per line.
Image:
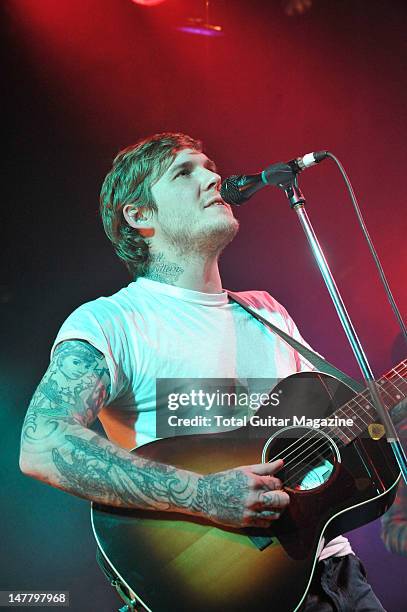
x=208 y=242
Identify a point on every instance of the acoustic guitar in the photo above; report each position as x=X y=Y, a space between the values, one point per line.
x=338 y=478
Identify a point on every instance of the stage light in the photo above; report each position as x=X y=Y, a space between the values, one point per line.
x=148 y=2
x=296 y=7
x=198 y=27
x=201 y=26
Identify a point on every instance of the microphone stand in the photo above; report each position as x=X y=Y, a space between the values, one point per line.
x=297 y=203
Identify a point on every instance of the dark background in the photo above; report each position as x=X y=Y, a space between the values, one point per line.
x=83 y=78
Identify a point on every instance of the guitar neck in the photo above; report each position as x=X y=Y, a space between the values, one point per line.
x=393 y=391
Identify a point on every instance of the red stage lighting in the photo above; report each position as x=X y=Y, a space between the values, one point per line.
x=296 y=7
x=148 y=2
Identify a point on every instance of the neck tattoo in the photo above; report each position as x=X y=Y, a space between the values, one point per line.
x=162 y=270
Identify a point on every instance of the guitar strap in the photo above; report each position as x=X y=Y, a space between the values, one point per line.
x=316 y=360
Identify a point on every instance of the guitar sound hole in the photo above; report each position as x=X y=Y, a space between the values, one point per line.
x=309 y=455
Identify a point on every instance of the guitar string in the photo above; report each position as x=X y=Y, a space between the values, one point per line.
x=395 y=386
x=304 y=468
x=354 y=412
x=397 y=389
x=317 y=450
x=304 y=437
x=321 y=450
x=324 y=441
x=331 y=429
x=318 y=444
x=396 y=371
x=385 y=390
x=354 y=400
x=369 y=405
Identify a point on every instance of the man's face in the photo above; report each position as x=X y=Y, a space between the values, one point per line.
x=191 y=216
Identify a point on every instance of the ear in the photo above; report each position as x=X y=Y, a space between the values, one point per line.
x=140 y=218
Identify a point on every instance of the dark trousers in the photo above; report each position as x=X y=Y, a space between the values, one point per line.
x=339 y=585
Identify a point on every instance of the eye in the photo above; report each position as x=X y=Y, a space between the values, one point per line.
x=184 y=172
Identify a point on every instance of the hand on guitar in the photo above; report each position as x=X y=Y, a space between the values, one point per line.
x=248 y=496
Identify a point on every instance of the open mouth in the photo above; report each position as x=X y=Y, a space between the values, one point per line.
x=216 y=203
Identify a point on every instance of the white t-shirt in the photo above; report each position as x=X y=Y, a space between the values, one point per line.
x=151 y=330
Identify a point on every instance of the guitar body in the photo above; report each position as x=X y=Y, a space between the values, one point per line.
x=186 y=565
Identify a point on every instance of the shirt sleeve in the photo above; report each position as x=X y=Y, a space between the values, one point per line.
x=94 y=326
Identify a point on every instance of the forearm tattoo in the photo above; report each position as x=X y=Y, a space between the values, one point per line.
x=97 y=467
x=68 y=399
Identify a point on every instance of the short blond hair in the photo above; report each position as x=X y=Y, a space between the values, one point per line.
x=135 y=169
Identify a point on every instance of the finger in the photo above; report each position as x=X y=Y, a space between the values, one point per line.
x=275 y=499
x=267 y=469
x=264 y=519
x=269 y=515
x=271 y=483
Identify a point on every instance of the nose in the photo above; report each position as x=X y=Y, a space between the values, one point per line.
x=211 y=180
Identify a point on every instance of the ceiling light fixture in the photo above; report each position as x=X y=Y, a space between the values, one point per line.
x=201 y=26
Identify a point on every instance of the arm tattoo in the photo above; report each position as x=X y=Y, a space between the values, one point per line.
x=74 y=458
x=97 y=467
x=163 y=271
x=74 y=387
x=221 y=495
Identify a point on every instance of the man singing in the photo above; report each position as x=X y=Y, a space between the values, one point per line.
x=162 y=211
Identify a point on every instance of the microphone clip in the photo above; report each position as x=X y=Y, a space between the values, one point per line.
x=293 y=192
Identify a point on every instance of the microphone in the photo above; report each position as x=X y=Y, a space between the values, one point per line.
x=238 y=189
